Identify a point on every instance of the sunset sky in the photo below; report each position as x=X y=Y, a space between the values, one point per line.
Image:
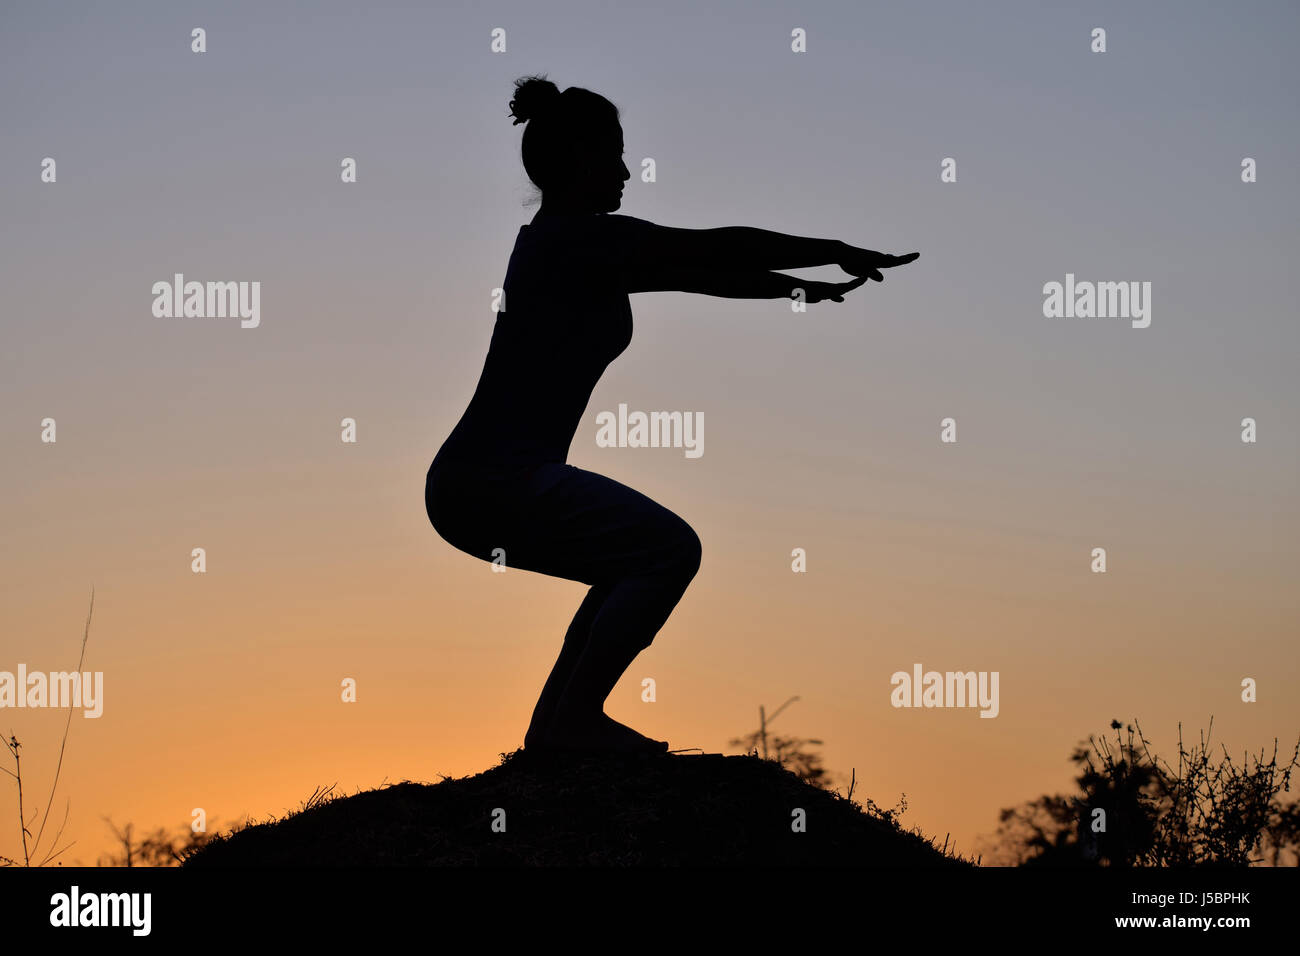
x=222 y=689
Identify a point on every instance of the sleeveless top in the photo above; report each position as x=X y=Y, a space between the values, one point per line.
x=565 y=317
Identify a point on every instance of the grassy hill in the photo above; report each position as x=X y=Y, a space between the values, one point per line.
x=629 y=811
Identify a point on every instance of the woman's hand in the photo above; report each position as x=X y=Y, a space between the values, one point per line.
x=867 y=264
x=822 y=291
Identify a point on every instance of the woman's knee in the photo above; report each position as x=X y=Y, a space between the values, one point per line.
x=673 y=552
x=689 y=552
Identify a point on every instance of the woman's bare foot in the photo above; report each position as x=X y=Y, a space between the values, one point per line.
x=640 y=741
x=603 y=733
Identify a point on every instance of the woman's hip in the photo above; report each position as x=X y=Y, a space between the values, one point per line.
x=468 y=500
x=557 y=519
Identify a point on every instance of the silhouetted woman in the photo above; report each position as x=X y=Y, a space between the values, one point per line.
x=500 y=480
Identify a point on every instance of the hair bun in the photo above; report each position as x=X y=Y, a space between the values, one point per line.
x=532 y=94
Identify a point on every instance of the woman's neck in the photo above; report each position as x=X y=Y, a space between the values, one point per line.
x=564 y=206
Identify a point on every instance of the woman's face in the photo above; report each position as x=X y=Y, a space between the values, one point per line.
x=604 y=172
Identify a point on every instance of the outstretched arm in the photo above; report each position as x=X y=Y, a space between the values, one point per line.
x=653 y=256
x=734 y=248
x=746 y=285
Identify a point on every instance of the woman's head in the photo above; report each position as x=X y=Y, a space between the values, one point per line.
x=573 y=145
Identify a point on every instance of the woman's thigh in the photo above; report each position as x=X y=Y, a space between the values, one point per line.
x=564 y=521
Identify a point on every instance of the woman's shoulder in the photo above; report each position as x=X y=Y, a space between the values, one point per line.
x=593 y=245
x=600 y=223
